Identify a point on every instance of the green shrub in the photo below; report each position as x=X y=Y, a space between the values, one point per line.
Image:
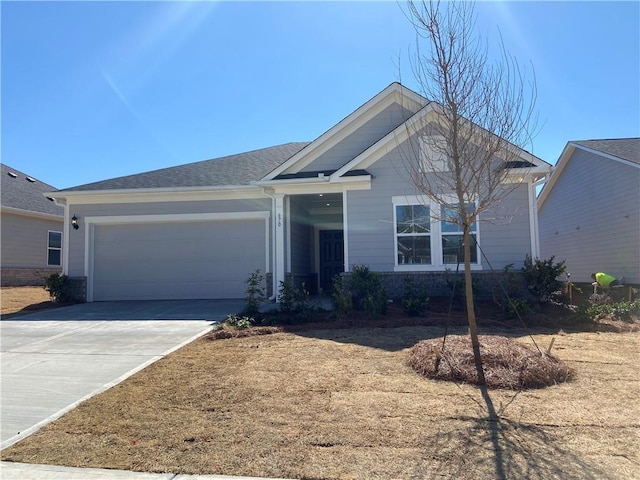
x=621 y=311
x=515 y=307
x=542 y=276
x=288 y=296
x=240 y=322
x=455 y=282
x=342 y=303
x=367 y=293
x=59 y=287
x=415 y=299
x=255 y=293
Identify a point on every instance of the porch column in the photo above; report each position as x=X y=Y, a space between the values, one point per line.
x=278 y=274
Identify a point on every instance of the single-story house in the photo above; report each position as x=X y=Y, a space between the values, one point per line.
x=31 y=237
x=589 y=211
x=305 y=210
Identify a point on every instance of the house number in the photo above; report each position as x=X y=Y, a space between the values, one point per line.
x=279 y=219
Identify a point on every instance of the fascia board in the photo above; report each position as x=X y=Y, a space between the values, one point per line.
x=566 y=154
x=32 y=214
x=394 y=93
x=304 y=189
x=158 y=195
x=380 y=148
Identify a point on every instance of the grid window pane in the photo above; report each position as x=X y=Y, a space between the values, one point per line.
x=55 y=240
x=413 y=219
x=414 y=250
x=453 y=249
x=451 y=221
x=54 y=257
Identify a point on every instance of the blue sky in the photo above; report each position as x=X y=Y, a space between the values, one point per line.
x=95 y=90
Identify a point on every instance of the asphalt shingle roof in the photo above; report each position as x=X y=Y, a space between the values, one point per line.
x=625 y=148
x=24 y=192
x=240 y=169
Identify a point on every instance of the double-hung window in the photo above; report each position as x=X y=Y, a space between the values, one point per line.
x=54 y=248
x=413 y=234
x=429 y=237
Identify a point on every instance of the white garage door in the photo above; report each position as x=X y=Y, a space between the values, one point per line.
x=168 y=261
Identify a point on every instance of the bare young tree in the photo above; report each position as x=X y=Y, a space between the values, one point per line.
x=483 y=115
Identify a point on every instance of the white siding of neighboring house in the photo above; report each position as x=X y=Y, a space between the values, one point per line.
x=25 y=239
x=591 y=218
x=505 y=238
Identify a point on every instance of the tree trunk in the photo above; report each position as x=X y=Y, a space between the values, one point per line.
x=471 y=312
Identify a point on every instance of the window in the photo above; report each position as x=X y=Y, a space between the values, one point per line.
x=428 y=237
x=433 y=156
x=452 y=236
x=413 y=234
x=54 y=248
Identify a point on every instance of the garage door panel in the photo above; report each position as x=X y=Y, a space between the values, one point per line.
x=176 y=260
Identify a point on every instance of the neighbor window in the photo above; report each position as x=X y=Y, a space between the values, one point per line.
x=54 y=249
x=413 y=234
x=452 y=236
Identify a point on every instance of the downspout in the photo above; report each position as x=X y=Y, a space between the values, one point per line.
x=533 y=215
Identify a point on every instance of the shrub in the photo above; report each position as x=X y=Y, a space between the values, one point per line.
x=342 y=302
x=515 y=307
x=415 y=299
x=255 y=293
x=59 y=287
x=367 y=293
x=542 y=276
x=599 y=308
x=240 y=322
x=288 y=296
x=455 y=282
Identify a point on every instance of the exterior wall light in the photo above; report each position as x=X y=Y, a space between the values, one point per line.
x=74 y=223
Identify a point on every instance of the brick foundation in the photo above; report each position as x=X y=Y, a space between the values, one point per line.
x=25 y=277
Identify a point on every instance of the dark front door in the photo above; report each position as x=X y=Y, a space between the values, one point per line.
x=331 y=257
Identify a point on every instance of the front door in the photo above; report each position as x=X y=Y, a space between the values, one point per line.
x=331 y=257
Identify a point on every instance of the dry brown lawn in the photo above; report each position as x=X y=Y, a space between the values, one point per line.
x=15 y=300
x=343 y=404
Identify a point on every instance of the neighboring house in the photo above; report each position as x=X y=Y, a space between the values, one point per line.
x=307 y=211
x=589 y=211
x=31 y=230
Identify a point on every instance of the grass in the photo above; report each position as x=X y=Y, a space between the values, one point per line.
x=15 y=300
x=344 y=404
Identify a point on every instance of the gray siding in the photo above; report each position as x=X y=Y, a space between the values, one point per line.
x=77 y=237
x=24 y=240
x=591 y=218
x=361 y=139
x=505 y=238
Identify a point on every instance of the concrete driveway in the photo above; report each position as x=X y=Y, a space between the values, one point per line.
x=55 y=359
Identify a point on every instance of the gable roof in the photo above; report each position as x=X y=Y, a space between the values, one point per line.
x=239 y=169
x=624 y=150
x=395 y=92
x=21 y=192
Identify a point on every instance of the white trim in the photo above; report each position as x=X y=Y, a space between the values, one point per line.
x=31 y=213
x=437 y=262
x=533 y=222
x=65 y=238
x=91 y=222
x=394 y=93
x=345 y=231
x=287 y=216
x=150 y=195
x=54 y=248
x=279 y=260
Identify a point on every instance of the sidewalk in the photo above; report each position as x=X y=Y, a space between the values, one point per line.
x=25 y=471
